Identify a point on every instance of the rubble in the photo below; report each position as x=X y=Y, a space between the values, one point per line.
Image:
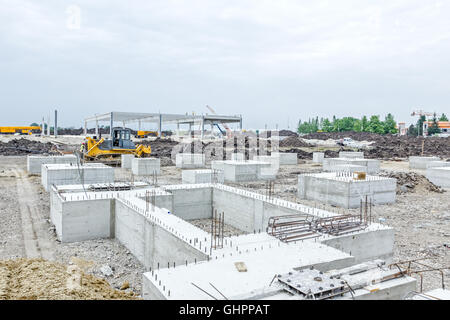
x=411 y=182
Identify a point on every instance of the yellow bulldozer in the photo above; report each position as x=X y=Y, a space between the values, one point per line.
x=110 y=150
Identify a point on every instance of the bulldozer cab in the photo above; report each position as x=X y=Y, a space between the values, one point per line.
x=121 y=138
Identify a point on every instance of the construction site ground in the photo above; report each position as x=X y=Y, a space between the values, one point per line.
x=421 y=219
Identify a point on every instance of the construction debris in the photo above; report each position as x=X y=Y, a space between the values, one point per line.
x=411 y=182
x=39 y=279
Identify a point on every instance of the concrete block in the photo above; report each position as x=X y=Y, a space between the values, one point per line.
x=202 y=176
x=286 y=158
x=34 y=163
x=190 y=160
x=64 y=174
x=440 y=176
x=330 y=164
x=350 y=168
x=341 y=189
x=318 y=157
x=421 y=162
x=351 y=154
x=145 y=166
x=439 y=164
x=126 y=160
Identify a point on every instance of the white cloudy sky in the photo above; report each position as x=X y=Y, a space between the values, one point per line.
x=271 y=61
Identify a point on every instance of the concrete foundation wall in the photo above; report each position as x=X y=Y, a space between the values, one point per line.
x=286 y=158
x=238 y=156
x=65 y=174
x=190 y=160
x=330 y=164
x=34 y=163
x=145 y=166
x=421 y=162
x=351 y=154
x=437 y=164
x=440 y=176
x=150 y=243
x=81 y=220
x=367 y=245
x=202 y=176
x=318 y=157
x=346 y=193
x=191 y=204
x=126 y=160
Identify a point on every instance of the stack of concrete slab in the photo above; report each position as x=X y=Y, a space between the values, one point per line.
x=190 y=160
x=126 y=160
x=440 y=176
x=351 y=154
x=34 y=163
x=202 y=176
x=333 y=164
x=146 y=166
x=421 y=162
x=64 y=174
x=438 y=164
x=318 y=157
x=344 y=190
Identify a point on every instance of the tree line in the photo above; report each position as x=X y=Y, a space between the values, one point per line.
x=373 y=124
x=433 y=128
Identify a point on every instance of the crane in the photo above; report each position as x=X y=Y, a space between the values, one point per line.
x=229 y=132
x=421 y=113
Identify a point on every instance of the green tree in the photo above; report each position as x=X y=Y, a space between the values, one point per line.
x=389 y=124
x=443 y=118
x=327 y=126
x=375 y=125
x=357 y=125
x=434 y=128
x=364 y=124
x=412 y=131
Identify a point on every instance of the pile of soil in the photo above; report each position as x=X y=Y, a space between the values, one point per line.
x=286 y=133
x=412 y=182
x=18 y=147
x=294 y=142
x=32 y=279
x=388 y=146
x=160 y=147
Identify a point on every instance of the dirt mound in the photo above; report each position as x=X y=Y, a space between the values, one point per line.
x=17 y=147
x=412 y=182
x=33 y=279
x=286 y=133
x=388 y=146
x=160 y=147
x=294 y=142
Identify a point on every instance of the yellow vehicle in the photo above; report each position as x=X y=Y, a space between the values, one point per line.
x=110 y=150
x=145 y=134
x=21 y=130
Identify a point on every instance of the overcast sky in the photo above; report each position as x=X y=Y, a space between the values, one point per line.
x=274 y=62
